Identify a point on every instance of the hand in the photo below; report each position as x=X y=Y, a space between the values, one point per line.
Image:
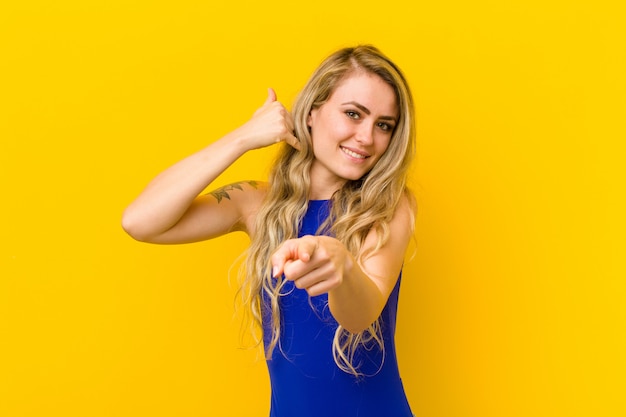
x=317 y=264
x=270 y=124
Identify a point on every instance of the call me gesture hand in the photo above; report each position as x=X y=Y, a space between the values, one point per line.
x=270 y=124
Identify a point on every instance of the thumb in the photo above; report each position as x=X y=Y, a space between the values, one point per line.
x=271 y=96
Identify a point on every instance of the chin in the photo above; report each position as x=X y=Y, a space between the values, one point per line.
x=355 y=177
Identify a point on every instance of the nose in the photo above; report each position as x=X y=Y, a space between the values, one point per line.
x=364 y=134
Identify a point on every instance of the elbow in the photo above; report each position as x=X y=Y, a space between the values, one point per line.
x=133 y=227
x=356 y=323
x=356 y=328
x=356 y=318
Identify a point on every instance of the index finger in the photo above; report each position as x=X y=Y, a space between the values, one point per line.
x=293 y=249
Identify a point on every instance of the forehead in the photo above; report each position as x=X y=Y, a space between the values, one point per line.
x=368 y=90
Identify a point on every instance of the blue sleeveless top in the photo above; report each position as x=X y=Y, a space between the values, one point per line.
x=304 y=378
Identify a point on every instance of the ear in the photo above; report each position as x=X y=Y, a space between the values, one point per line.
x=309 y=119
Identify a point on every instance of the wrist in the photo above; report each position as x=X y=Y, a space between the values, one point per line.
x=238 y=142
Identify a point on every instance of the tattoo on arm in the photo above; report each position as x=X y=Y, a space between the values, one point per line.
x=223 y=192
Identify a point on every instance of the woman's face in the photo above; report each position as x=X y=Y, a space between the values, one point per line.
x=352 y=130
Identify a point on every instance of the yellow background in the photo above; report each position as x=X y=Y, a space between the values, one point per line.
x=514 y=304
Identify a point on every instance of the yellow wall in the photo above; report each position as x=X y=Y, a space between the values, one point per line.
x=514 y=304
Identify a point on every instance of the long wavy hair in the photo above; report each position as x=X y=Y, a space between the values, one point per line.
x=357 y=208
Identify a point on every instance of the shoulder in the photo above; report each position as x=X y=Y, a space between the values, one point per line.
x=242 y=200
x=396 y=231
x=249 y=196
x=242 y=191
x=405 y=212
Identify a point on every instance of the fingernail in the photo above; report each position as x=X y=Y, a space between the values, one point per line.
x=274 y=271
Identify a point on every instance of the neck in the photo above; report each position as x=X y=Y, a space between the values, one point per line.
x=323 y=185
x=323 y=190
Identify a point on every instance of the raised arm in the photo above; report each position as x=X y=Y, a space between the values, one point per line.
x=170 y=210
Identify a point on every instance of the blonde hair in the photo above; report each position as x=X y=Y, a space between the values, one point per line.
x=356 y=208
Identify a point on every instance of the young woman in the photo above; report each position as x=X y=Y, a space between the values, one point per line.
x=328 y=232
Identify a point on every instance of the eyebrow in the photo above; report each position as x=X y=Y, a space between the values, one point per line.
x=367 y=111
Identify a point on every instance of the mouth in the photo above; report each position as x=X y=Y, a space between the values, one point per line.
x=354 y=154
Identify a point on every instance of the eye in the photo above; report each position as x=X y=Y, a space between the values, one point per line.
x=352 y=114
x=385 y=126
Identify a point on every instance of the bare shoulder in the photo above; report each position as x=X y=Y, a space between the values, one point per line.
x=406 y=210
x=249 y=190
x=245 y=197
x=399 y=229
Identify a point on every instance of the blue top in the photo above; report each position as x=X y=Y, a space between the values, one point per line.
x=305 y=380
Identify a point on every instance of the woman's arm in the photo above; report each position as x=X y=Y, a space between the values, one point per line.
x=357 y=293
x=169 y=210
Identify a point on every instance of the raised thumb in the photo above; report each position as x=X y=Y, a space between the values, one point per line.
x=271 y=96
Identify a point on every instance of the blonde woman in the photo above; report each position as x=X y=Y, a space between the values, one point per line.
x=328 y=232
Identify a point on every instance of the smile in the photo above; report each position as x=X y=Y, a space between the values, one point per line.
x=353 y=154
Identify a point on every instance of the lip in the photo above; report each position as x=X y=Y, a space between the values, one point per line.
x=361 y=155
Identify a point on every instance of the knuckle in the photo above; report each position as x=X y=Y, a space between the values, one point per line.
x=323 y=253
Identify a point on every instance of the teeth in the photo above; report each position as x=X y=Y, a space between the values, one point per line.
x=353 y=154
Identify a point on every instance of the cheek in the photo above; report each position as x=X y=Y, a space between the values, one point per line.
x=383 y=144
x=331 y=128
x=341 y=127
